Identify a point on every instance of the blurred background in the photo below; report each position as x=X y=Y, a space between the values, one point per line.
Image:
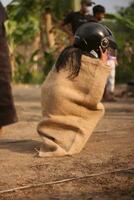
x=34 y=43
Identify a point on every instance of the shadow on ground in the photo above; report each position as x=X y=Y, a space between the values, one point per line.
x=20 y=146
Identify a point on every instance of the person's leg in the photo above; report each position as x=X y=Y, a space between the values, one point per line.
x=111 y=86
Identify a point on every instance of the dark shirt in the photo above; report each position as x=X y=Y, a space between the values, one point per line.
x=76 y=19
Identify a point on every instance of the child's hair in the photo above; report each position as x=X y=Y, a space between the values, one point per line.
x=72 y=56
x=98 y=9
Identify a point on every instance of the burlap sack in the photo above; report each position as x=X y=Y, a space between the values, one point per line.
x=71 y=108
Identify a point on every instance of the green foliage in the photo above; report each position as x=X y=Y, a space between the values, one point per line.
x=59 y=7
x=23 y=28
x=24 y=21
x=49 y=62
x=122 y=25
x=24 y=72
x=125 y=73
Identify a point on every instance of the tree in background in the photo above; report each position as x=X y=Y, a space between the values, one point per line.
x=122 y=25
x=31 y=43
x=34 y=47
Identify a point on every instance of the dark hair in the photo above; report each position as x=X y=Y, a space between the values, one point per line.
x=98 y=9
x=72 y=56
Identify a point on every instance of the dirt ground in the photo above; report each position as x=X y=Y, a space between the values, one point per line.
x=110 y=148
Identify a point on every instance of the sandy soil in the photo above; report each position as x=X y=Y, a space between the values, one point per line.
x=111 y=147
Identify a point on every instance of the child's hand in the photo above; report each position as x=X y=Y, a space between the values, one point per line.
x=104 y=55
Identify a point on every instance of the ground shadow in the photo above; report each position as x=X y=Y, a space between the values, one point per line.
x=21 y=146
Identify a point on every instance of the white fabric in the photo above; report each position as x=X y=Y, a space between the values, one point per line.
x=5 y=2
x=111 y=78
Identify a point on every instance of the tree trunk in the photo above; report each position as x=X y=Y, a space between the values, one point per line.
x=42 y=32
x=48 y=27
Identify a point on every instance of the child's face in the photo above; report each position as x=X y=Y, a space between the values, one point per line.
x=100 y=16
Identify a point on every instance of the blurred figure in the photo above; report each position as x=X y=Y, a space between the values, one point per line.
x=7 y=109
x=128 y=51
x=110 y=86
x=99 y=13
x=76 y=19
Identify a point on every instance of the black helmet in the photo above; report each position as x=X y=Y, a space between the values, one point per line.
x=92 y=35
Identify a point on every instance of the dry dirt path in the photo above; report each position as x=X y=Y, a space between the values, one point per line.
x=111 y=147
